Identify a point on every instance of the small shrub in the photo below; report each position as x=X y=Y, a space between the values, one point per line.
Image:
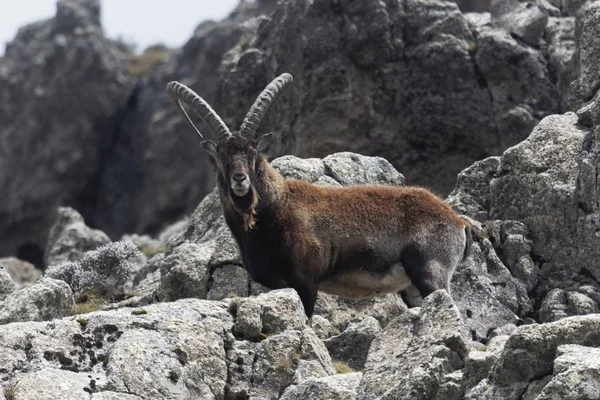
x=82 y=321
x=151 y=251
x=342 y=368
x=142 y=64
x=139 y=311
x=9 y=392
x=284 y=364
x=90 y=300
x=472 y=47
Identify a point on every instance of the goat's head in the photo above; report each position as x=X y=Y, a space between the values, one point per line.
x=236 y=154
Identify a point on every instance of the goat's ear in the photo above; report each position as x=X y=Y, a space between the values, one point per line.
x=210 y=147
x=261 y=142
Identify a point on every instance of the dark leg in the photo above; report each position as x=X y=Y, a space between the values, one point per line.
x=308 y=295
x=426 y=275
x=270 y=281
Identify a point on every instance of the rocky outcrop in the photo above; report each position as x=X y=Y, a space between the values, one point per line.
x=366 y=74
x=70 y=238
x=21 y=272
x=7 y=285
x=190 y=344
x=136 y=193
x=63 y=87
x=419 y=355
x=337 y=387
x=548 y=184
x=352 y=346
x=539 y=351
x=48 y=299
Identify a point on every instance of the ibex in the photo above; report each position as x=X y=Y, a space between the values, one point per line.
x=355 y=241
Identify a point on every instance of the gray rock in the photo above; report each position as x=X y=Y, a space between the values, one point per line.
x=587 y=57
x=533 y=348
x=46 y=300
x=352 y=346
x=364 y=85
x=504 y=330
x=478 y=19
x=517 y=78
x=471 y=196
x=63 y=85
x=560 y=35
x=228 y=281
x=515 y=251
x=576 y=374
x=481 y=360
x=537 y=185
x=267 y=368
x=114 y=396
x=535 y=388
x=306 y=169
x=322 y=327
x=70 y=238
x=269 y=313
x=7 y=285
x=172 y=350
x=419 y=355
x=107 y=267
x=341 y=312
x=353 y=169
x=589 y=114
x=184 y=272
x=336 y=387
x=527 y=21
x=52 y=383
x=135 y=192
x=559 y=303
x=486 y=293
x=22 y=272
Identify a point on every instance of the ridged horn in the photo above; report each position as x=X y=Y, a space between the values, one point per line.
x=263 y=103
x=178 y=92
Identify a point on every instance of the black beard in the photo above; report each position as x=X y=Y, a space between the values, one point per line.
x=243 y=203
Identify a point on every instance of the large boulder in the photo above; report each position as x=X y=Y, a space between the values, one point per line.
x=542 y=199
x=7 y=285
x=532 y=353
x=21 y=272
x=419 y=355
x=587 y=57
x=188 y=349
x=336 y=387
x=70 y=237
x=63 y=86
x=46 y=300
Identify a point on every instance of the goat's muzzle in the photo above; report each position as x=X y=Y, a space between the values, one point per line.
x=240 y=184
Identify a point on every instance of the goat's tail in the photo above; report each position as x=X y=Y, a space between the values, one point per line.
x=468 y=239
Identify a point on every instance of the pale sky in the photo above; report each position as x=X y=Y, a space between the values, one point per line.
x=144 y=22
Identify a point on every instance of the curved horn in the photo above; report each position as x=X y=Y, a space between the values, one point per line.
x=178 y=92
x=263 y=103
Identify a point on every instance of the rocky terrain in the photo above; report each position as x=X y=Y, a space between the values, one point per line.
x=419 y=82
x=144 y=296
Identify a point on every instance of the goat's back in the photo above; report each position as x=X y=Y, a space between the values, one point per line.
x=369 y=208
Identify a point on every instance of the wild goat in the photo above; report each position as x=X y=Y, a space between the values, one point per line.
x=356 y=242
